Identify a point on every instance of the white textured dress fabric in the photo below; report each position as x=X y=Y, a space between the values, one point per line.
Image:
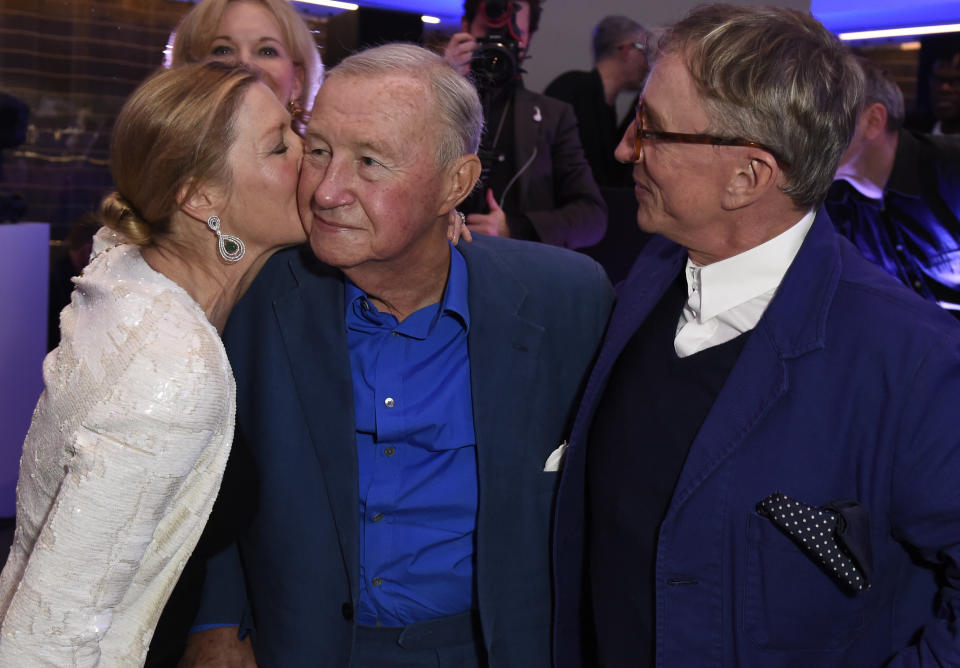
x=119 y=470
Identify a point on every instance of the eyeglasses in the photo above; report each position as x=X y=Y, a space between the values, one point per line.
x=687 y=138
x=639 y=46
x=952 y=82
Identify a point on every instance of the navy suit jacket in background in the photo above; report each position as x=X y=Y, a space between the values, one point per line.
x=537 y=317
x=847 y=389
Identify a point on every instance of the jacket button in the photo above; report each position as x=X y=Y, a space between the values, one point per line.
x=347 y=610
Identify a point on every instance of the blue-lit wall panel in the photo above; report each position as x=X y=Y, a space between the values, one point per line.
x=844 y=15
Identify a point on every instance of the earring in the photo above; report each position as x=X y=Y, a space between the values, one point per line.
x=231 y=247
x=294 y=108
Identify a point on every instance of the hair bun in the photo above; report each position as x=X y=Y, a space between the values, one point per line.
x=121 y=216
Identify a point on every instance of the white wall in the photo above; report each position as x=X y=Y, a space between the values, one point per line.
x=563 y=41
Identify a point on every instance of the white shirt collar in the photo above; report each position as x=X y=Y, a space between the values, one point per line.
x=728 y=298
x=723 y=285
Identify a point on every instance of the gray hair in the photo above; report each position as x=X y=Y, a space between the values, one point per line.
x=879 y=87
x=457 y=104
x=610 y=33
x=778 y=77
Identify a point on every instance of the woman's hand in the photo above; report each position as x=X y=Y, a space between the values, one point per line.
x=457 y=228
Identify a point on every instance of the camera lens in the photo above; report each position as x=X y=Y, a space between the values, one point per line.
x=494 y=64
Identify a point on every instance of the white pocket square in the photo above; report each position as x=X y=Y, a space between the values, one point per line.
x=556 y=458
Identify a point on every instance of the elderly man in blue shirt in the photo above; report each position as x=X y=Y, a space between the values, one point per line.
x=403 y=403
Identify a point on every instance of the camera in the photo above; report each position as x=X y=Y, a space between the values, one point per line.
x=496 y=60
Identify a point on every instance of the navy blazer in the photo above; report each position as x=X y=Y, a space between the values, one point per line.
x=847 y=389
x=537 y=317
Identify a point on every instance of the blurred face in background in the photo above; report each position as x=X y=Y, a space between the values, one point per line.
x=249 y=33
x=945 y=89
x=636 y=60
x=480 y=25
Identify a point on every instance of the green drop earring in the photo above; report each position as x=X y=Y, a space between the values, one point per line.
x=231 y=247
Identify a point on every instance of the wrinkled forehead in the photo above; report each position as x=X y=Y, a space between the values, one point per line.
x=376 y=108
x=392 y=93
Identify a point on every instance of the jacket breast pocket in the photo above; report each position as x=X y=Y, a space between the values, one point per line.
x=789 y=602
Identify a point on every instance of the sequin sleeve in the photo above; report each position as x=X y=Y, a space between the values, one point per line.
x=120 y=468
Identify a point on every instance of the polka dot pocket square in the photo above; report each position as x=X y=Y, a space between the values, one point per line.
x=836 y=536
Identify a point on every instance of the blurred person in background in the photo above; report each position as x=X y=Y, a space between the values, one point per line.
x=619 y=48
x=938 y=87
x=897 y=195
x=268 y=36
x=535 y=183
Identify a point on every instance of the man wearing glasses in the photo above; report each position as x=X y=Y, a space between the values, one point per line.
x=763 y=470
x=944 y=115
x=620 y=65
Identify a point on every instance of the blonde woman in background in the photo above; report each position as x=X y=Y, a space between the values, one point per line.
x=267 y=36
x=129 y=440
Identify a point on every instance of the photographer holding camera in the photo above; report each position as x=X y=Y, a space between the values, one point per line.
x=536 y=183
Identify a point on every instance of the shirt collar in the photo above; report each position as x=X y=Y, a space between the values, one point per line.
x=724 y=285
x=454 y=302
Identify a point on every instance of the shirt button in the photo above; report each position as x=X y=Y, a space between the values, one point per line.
x=377 y=582
x=917 y=284
x=389 y=402
x=378 y=517
x=388 y=451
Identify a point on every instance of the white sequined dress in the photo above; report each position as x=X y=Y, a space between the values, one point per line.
x=119 y=471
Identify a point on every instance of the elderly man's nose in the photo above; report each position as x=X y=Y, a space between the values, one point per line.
x=333 y=189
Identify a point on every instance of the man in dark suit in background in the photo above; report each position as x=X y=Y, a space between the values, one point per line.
x=536 y=183
x=897 y=195
x=620 y=47
x=943 y=116
x=763 y=470
x=402 y=403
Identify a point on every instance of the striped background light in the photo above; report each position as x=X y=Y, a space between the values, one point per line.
x=900 y=32
x=351 y=6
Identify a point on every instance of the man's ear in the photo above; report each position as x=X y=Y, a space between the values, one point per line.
x=751 y=180
x=874 y=120
x=462 y=176
x=464 y=26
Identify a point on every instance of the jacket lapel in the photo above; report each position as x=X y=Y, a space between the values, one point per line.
x=310 y=319
x=793 y=325
x=504 y=349
x=526 y=133
x=649 y=278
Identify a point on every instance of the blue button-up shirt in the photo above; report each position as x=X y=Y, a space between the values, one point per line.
x=416 y=454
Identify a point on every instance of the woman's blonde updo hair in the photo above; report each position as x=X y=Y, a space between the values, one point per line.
x=174 y=131
x=194 y=37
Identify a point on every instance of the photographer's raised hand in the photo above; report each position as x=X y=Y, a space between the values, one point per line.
x=459 y=51
x=493 y=223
